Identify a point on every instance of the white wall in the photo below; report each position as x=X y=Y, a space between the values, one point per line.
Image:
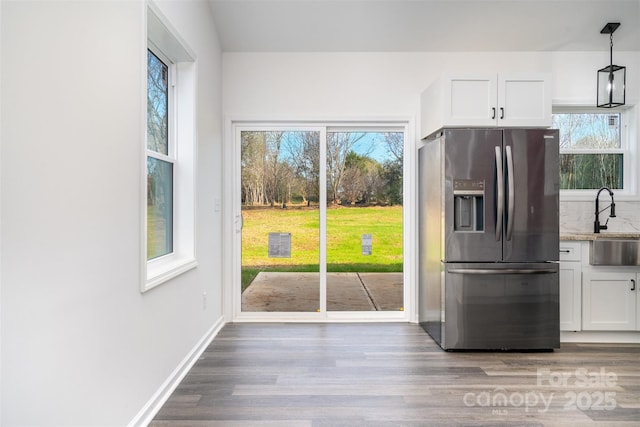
x=80 y=344
x=317 y=85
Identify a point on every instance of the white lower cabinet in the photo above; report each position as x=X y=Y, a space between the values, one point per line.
x=610 y=299
x=570 y=296
x=570 y=286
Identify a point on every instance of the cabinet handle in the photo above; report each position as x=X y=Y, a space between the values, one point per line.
x=493 y=116
x=501 y=113
x=565 y=251
x=633 y=284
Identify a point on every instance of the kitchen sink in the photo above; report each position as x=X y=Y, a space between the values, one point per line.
x=615 y=251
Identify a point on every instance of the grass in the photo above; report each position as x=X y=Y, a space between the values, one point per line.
x=345 y=227
x=156 y=233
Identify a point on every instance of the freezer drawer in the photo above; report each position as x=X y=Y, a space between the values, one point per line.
x=500 y=306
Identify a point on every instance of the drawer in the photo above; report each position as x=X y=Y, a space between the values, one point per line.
x=570 y=251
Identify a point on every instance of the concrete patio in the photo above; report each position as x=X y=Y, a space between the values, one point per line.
x=287 y=292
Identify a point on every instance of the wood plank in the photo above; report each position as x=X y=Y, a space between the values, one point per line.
x=393 y=374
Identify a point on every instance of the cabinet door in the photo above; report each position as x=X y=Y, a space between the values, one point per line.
x=570 y=296
x=609 y=303
x=524 y=100
x=637 y=292
x=470 y=100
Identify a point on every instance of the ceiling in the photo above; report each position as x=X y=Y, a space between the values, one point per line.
x=424 y=25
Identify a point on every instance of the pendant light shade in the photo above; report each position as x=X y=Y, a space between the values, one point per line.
x=612 y=78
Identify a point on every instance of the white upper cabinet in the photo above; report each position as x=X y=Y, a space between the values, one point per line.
x=524 y=100
x=469 y=101
x=486 y=100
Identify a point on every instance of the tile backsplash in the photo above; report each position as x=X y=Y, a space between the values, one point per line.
x=578 y=217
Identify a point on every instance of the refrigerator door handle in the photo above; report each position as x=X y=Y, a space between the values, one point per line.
x=511 y=194
x=500 y=187
x=479 y=271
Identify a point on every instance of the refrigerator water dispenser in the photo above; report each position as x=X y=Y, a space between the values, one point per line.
x=468 y=199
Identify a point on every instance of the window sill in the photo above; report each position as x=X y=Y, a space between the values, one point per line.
x=165 y=269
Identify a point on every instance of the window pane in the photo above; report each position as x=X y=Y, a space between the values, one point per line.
x=364 y=168
x=159 y=208
x=591 y=171
x=364 y=221
x=157 y=104
x=588 y=130
x=281 y=221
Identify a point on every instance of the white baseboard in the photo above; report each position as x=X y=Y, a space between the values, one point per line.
x=159 y=398
x=622 y=337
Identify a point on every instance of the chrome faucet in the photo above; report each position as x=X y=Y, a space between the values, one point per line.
x=612 y=214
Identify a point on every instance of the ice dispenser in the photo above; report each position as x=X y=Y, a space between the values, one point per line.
x=468 y=199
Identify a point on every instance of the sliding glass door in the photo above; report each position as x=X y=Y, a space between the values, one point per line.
x=322 y=219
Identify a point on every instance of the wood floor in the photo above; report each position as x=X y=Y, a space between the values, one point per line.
x=393 y=374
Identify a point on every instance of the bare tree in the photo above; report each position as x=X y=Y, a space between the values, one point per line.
x=353 y=186
x=280 y=166
x=304 y=153
x=339 y=144
x=252 y=161
x=273 y=141
x=395 y=144
x=157 y=104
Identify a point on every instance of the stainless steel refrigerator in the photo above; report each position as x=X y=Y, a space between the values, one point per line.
x=488 y=236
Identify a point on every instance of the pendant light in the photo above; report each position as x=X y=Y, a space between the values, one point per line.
x=612 y=78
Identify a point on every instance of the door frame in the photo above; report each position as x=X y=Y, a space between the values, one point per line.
x=232 y=221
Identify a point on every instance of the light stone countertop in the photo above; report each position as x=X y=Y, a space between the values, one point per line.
x=601 y=235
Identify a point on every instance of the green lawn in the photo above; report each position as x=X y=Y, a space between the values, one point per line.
x=156 y=233
x=345 y=227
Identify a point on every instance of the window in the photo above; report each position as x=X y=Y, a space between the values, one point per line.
x=160 y=159
x=169 y=160
x=594 y=150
